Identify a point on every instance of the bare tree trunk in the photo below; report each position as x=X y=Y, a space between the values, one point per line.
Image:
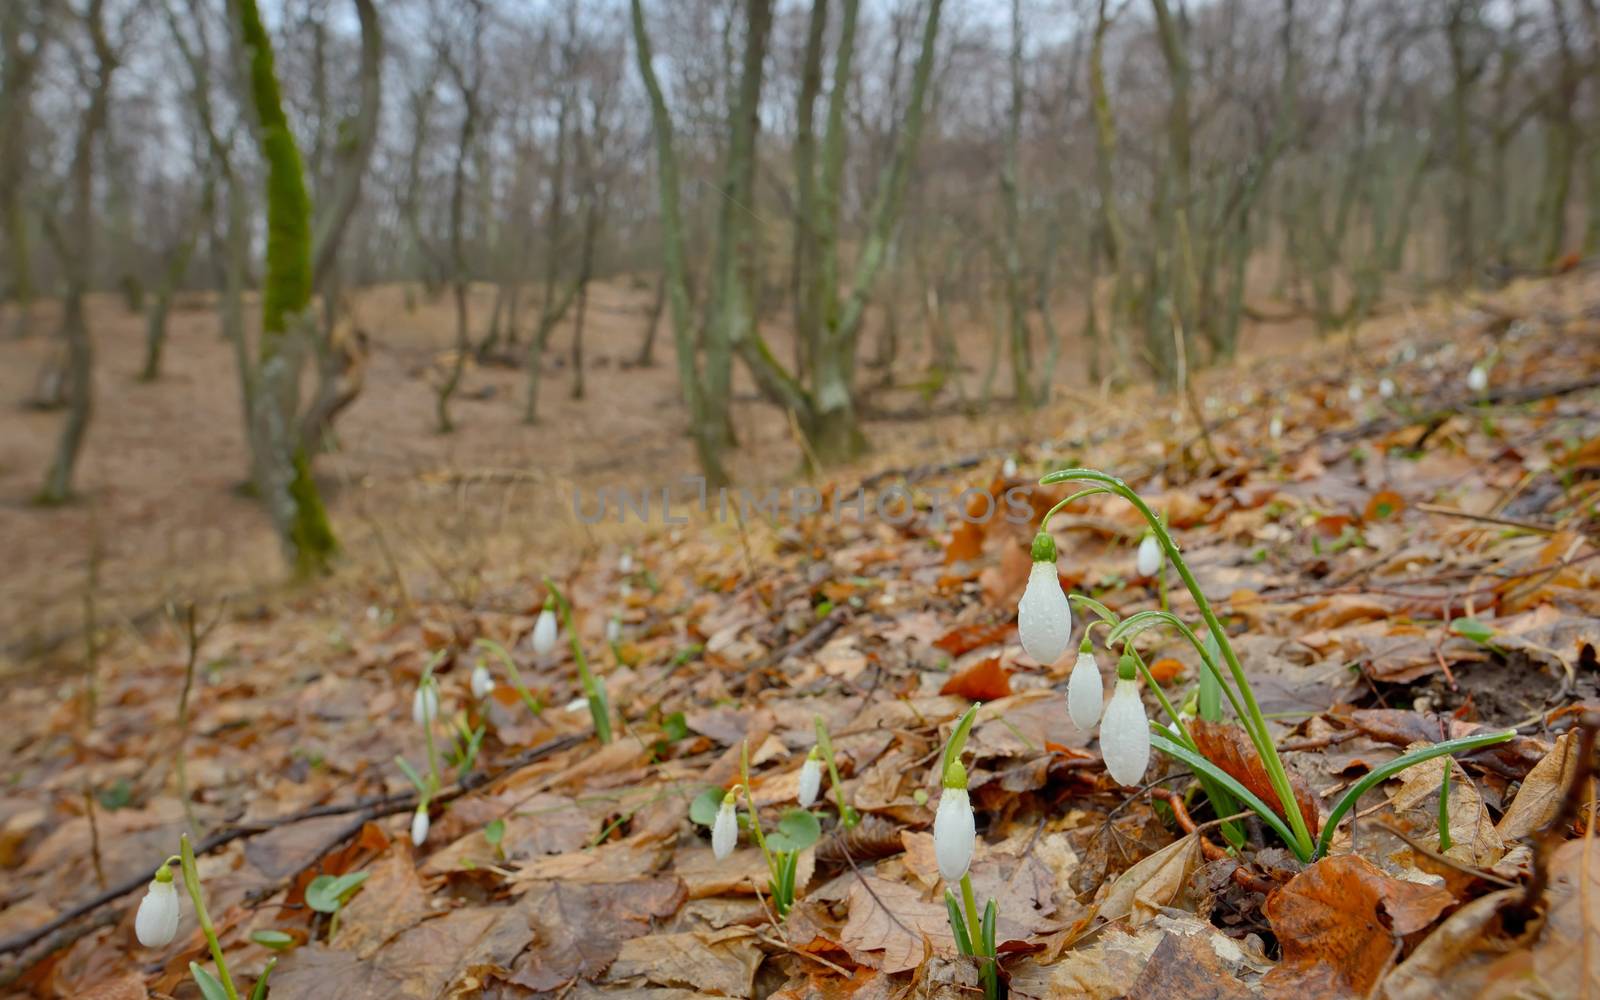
x=1464 y=73
x=646 y=358
x=155 y=336
x=1011 y=212
x=460 y=281
x=78 y=261
x=24 y=32
x=351 y=158
x=702 y=423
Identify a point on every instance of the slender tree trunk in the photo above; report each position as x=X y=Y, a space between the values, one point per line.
x=283 y=470
x=647 y=350
x=155 y=337
x=1011 y=212
x=79 y=265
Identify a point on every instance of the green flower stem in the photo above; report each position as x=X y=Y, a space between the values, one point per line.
x=1206 y=658
x=1044 y=522
x=504 y=656
x=1276 y=773
x=1444 y=809
x=847 y=813
x=191 y=881
x=970 y=904
x=599 y=710
x=755 y=817
x=1166 y=706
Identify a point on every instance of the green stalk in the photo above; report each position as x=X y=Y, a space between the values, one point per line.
x=847 y=813
x=516 y=675
x=1444 y=809
x=599 y=710
x=1255 y=725
x=191 y=881
x=974 y=928
x=1166 y=706
x=755 y=817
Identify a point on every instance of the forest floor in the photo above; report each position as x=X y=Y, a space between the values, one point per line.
x=1393 y=571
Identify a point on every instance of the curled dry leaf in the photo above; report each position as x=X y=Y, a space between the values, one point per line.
x=721 y=963
x=1340 y=922
x=1229 y=748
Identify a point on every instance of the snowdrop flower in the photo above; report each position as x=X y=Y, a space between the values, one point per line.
x=544 y=630
x=1124 y=730
x=1355 y=392
x=425 y=702
x=156 y=923
x=1009 y=468
x=725 y=828
x=613 y=630
x=810 y=779
x=955 y=834
x=1478 y=378
x=1085 y=694
x=482 y=682
x=1044 y=616
x=625 y=563
x=1275 y=428
x=1148 y=562
x=1386 y=388
x=419 y=826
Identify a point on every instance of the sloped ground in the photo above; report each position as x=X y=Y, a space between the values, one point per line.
x=1393 y=571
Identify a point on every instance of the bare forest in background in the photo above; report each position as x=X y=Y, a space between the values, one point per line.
x=852 y=211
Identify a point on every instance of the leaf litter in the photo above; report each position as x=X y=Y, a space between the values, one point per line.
x=1396 y=573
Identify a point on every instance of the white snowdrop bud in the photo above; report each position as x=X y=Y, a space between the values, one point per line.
x=544 y=631
x=1085 y=693
x=625 y=563
x=1355 y=392
x=482 y=682
x=1478 y=378
x=955 y=833
x=1148 y=562
x=1044 y=615
x=425 y=702
x=613 y=629
x=810 y=779
x=725 y=829
x=1009 y=468
x=1124 y=730
x=1386 y=388
x=419 y=826
x=156 y=923
x=1275 y=428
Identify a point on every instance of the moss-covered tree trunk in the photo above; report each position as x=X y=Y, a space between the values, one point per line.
x=282 y=469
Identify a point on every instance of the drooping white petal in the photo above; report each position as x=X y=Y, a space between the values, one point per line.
x=156 y=923
x=419 y=826
x=1125 y=735
x=724 y=831
x=424 y=704
x=613 y=630
x=1148 y=561
x=1009 y=468
x=1044 y=616
x=625 y=563
x=482 y=682
x=955 y=834
x=810 y=782
x=1355 y=392
x=1275 y=428
x=544 y=632
x=1478 y=378
x=1086 y=693
x=1386 y=388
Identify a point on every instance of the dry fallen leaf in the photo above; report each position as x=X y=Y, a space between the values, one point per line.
x=721 y=963
x=985 y=680
x=1339 y=923
x=579 y=929
x=894 y=927
x=1140 y=892
x=1227 y=746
